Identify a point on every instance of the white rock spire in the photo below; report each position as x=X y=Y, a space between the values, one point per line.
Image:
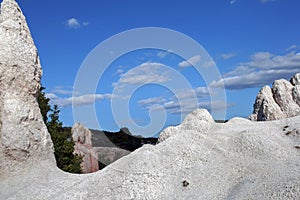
x=24 y=139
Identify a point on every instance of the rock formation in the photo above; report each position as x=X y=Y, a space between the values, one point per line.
x=239 y=159
x=24 y=139
x=83 y=146
x=282 y=101
x=200 y=120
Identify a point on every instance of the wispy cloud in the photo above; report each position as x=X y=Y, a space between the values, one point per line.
x=292 y=47
x=261 y=1
x=151 y=101
x=119 y=72
x=184 y=102
x=163 y=54
x=62 y=91
x=266 y=1
x=227 y=56
x=233 y=2
x=145 y=73
x=174 y=107
x=74 y=23
x=77 y=100
x=262 y=69
x=190 y=62
x=199 y=92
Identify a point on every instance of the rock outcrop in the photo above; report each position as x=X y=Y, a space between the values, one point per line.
x=239 y=159
x=199 y=120
x=282 y=101
x=83 y=146
x=24 y=139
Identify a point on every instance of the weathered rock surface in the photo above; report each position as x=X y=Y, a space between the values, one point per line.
x=239 y=159
x=236 y=160
x=24 y=139
x=282 y=101
x=82 y=137
x=199 y=119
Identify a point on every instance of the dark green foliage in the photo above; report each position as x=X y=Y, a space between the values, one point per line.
x=44 y=104
x=61 y=137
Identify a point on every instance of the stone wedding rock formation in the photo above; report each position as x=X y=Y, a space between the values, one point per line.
x=282 y=101
x=82 y=137
x=24 y=139
x=239 y=159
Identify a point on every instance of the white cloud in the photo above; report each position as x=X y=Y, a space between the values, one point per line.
x=74 y=23
x=184 y=101
x=145 y=73
x=208 y=64
x=174 y=107
x=292 y=47
x=200 y=92
x=151 y=101
x=262 y=69
x=77 y=100
x=85 y=23
x=119 y=72
x=62 y=91
x=227 y=56
x=190 y=62
x=51 y=96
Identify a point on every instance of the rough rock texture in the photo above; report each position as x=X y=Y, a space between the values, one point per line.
x=24 y=139
x=83 y=146
x=282 y=101
x=236 y=160
x=199 y=119
x=108 y=155
x=239 y=159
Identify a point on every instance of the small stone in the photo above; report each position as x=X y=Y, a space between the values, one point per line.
x=185 y=183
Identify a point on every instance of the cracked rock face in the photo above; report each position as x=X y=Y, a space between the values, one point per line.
x=23 y=135
x=280 y=101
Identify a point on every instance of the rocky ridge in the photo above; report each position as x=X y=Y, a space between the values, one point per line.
x=278 y=102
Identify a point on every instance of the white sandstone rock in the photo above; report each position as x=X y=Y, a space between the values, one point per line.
x=296 y=79
x=282 y=101
x=240 y=159
x=24 y=139
x=199 y=119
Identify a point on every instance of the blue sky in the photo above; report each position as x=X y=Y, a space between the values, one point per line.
x=252 y=43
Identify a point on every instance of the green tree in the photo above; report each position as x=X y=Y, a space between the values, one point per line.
x=61 y=137
x=44 y=104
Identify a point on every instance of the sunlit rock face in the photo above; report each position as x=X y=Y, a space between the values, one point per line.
x=280 y=101
x=199 y=118
x=23 y=136
x=200 y=159
x=82 y=137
